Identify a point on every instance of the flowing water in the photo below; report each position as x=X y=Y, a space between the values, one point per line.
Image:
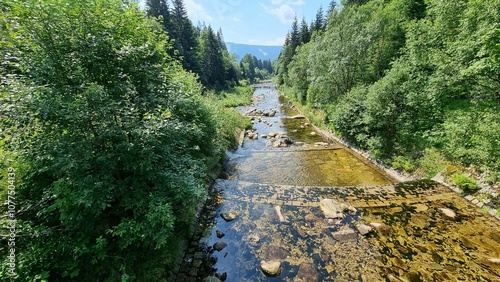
x=421 y=231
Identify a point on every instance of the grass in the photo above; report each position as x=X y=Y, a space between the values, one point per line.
x=233 y=97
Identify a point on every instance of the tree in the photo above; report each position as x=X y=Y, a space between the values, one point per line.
x=110 y=138
x=212 y=60
x=183 y=33
x=319 y=21
x=304 y=35
x=159 y=8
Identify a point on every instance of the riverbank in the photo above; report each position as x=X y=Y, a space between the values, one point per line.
x=486 y=197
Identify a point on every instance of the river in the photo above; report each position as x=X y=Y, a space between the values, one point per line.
x=315 y=211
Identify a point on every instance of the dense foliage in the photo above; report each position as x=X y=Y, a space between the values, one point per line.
x=110 y=138
x=409 y=80
x=255 y=69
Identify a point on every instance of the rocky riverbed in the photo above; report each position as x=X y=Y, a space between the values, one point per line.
x=311 y=210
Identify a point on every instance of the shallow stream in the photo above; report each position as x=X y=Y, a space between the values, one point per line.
x=417 y=231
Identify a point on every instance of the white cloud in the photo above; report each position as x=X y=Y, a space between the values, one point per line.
x=196 y=11
x=284 y=12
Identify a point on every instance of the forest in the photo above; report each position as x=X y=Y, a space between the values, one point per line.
x=113 y=123
x=414 y=82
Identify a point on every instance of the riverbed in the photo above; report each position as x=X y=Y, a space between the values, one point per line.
x=316 y=211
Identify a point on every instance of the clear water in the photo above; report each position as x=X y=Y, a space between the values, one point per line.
x=415 y=241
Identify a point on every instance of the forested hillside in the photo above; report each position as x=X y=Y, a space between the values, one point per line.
x=415 y=82
x=106 y=140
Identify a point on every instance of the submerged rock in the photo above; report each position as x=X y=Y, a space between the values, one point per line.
x=221 y=276
x=276 y=253
x=307 y=273
x=229 y=216
x=271 y=268
x=331 y=208
x=211 y=279
x=494 y=260
x=220 y=234
x=219 y=246
x=280 y=215
x=344 y=234
x=253 y=239
x=381 y=228
x=448 y=213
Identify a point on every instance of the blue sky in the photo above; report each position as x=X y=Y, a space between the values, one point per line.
x=256 y=22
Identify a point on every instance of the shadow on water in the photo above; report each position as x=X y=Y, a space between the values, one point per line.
x=420 y=231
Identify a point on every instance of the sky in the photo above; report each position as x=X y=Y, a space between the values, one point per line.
x=254 y=22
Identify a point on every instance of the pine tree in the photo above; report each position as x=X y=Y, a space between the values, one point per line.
x=159 y=8
x=304 y=35
x=294 y=34
x=211 y=58
x=319 y=22
x=183 y=33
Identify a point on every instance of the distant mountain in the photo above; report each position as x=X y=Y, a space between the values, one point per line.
x=261 y=52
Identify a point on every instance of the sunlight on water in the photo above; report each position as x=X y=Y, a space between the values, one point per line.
x=380 y=231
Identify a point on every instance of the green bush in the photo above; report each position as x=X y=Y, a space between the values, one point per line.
x=464 y=182
x=405 y=163
x=114 y=139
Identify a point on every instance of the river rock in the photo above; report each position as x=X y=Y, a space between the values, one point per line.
x=263 y=136
x=307 y=273
x=313 y=133
x=221 y=276
x=253 y=239
x=494 y=260
x=324 y=144
x=229 y=216
x=219 y=246
x=220 y=234
x=280 y=143
x=272 y=134
x=331 y=209
x=275 y=253
x=280 y=215
x=364 y=229
x=211 y=279
x=448 y=213
x=271 y=268
x=312 y=218
x=298 y=117
x=381 y=228
x=344 y=234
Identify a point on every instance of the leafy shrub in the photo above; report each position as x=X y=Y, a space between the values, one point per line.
x=113 y=137
x=464 y=182
x=405 y=163
x=432 y=162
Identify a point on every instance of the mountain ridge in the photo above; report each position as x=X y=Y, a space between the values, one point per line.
x=263 y=52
